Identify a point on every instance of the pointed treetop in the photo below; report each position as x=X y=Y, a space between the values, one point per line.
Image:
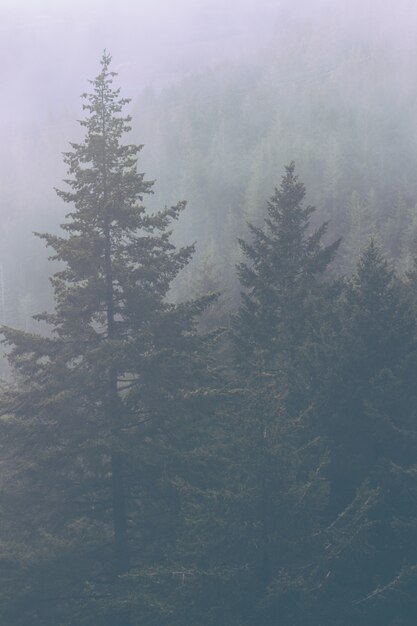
x=290 y=192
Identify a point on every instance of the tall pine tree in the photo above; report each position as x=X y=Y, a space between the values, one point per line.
x=101 y=416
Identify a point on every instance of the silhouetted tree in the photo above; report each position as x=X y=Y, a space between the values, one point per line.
x=100 y=413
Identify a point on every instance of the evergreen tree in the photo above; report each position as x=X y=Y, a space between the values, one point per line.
x=366 y=406
x=282 y=305
x=263 y=506
x=368 y=393
x=103 y=411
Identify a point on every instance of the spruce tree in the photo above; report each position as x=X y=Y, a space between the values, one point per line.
x=366 y=410
x=101 y=413
x=285 y=303
x=368 y=394
x=259 y=513
x=282 y=275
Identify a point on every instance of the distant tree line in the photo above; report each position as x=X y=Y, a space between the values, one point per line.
x=193 y=463
x=337 y=101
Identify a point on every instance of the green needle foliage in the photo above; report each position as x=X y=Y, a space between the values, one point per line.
x=108 y=401
x=156 y=471
x=366 y=406
x=282 y=275
x=259 y=516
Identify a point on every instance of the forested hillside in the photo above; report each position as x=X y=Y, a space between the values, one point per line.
x=337 y=100
x=208 y=403
x=340 y=105
x=177 y=463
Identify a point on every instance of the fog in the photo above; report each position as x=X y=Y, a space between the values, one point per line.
x=197 y=73
x=208 y=415
x=49 y=48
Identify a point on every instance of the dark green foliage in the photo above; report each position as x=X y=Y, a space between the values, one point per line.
x=153 y=476
x=367 y=410
x=369 y=397
x=268 y=503
x=283 y=302
x=251 y=508
x=103 y=408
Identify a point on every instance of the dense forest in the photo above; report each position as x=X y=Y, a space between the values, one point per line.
x=340 y=108
x=209 y=415
x=328 y=95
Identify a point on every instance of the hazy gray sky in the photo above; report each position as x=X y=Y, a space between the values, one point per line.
x=49 y=48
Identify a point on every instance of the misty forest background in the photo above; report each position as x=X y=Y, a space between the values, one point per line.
x=214 y=422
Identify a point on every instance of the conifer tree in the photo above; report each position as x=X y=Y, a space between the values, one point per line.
x=282 y=277
x=368 y=394
x=261 y=560
x=366 y=406
x=98 y=419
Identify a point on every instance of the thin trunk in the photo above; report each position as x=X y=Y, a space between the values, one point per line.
x=117 y=461
x=114 y=404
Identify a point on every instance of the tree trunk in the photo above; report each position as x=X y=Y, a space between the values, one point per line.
x=114 y=408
